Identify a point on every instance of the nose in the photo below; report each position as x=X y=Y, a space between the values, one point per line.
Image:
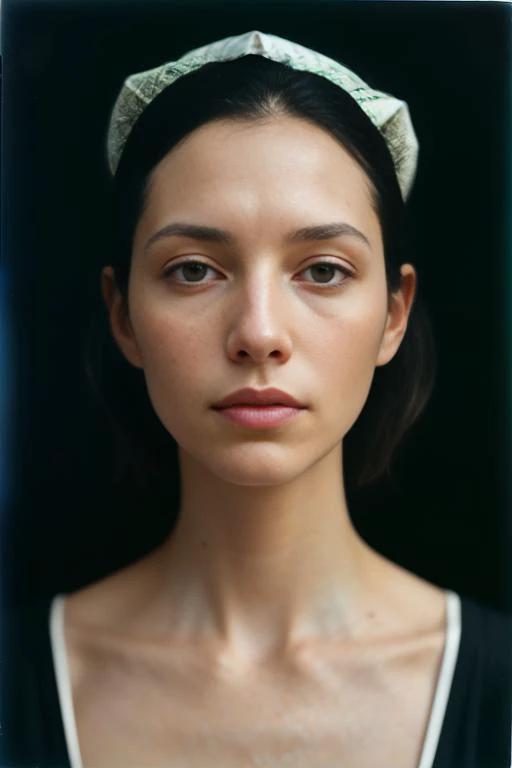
x=259 y=329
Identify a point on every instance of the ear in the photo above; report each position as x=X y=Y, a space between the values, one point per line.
x=400 y=305
x=120 y=324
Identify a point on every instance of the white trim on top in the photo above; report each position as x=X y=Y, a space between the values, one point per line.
x=60 y=664
x=444 y=683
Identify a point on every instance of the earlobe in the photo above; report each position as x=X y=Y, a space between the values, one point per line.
x=120 y=324
x=400 y=307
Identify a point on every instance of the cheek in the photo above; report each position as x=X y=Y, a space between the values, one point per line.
x=347 y=338
x=345 y=362
x=178 y=355
x=175 y=349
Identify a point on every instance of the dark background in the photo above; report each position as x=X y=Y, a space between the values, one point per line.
x=447 y=514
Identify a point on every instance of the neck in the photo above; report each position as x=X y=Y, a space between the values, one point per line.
x=258 y=569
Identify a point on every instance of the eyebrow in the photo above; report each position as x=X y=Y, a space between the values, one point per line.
x=215 y=235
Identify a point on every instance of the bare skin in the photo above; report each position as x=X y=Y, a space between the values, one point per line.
x=264 y=631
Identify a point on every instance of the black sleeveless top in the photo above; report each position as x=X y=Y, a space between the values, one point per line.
x=475 y=733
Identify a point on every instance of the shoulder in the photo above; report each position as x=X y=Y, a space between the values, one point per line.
x=412 y=604
x=487 y=614
x=26 y=650
x=487 y=632
x=25 y=625
x=29 y=705
x=110 y=602
x=98 y=618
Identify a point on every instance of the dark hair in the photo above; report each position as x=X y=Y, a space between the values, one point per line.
x=254 y=88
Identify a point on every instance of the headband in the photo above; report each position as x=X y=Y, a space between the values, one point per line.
x=388 y=114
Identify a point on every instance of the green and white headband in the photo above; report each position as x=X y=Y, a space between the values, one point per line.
x=388 y=114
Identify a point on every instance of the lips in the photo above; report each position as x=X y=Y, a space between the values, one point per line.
x=258 y=397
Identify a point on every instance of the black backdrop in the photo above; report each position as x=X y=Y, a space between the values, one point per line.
x=447 y=515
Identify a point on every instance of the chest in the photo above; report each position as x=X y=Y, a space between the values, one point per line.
x=361 y=708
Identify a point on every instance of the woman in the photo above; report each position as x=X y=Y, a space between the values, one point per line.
x=260 y=292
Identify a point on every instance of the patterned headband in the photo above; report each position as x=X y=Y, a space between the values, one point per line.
x=388 y=114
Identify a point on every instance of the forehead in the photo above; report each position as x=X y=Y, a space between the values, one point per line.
x=277 y=172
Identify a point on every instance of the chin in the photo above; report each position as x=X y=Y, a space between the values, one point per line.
x=257 y=465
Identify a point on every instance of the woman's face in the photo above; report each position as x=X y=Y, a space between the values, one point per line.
x=268 y=303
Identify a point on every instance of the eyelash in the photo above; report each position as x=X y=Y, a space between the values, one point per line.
x=175 y=267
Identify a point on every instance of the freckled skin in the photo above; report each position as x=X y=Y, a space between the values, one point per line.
x=264 y=631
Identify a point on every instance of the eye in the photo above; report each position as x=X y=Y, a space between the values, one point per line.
x=192 y=271
x=323 y=273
